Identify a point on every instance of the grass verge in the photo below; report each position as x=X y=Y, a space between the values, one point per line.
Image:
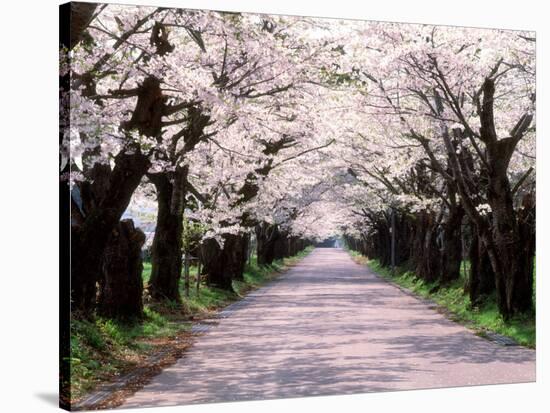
x=456 y=304
x=103 y=349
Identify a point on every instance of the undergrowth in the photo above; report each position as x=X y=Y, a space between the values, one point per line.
x=483 y=318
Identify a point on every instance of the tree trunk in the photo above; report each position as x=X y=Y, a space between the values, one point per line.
x=81 y=16
x=266 y=235
x=403 y=239
x=89 y=240
x=293 y=246
x=512 y=249
x=527 y=227
x=428 y=258
x=451 y=256
x=121 y=288
x=280 y=246
x=482 y=278
x=222 y=266
x=166 y=251
x=383 y=242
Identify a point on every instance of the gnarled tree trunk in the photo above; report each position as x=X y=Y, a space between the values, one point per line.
x=526 y=219
x=166 y=251
x=222 y=266
x=507 y=249
x=425 y=252
x=481 y=281
x=451 y=255
x=121 y=287
x=88 y=240
x=81 y=16
x=266 y=235
x=403 y=238
x=279 y=247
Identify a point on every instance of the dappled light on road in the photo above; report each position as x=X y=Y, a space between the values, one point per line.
x=329 y=326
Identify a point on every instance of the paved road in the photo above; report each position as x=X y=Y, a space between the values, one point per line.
x=329 y=326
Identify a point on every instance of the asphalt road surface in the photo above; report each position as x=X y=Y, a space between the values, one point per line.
x=330 y=326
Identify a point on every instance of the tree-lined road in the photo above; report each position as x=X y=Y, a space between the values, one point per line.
x=330 y=326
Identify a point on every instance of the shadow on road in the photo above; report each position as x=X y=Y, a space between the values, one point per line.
x=329 y=326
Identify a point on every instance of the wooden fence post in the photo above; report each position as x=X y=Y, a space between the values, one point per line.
x=186 y=273
x=198 y=275
x=393 y=241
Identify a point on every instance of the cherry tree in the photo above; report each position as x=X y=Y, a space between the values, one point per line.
x=466 y=97
x=405 y=139
x=148 y=86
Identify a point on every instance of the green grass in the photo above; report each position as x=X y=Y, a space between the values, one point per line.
x=102 y=348
x=146 y=273
x=482 y=319
x=211 y=298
